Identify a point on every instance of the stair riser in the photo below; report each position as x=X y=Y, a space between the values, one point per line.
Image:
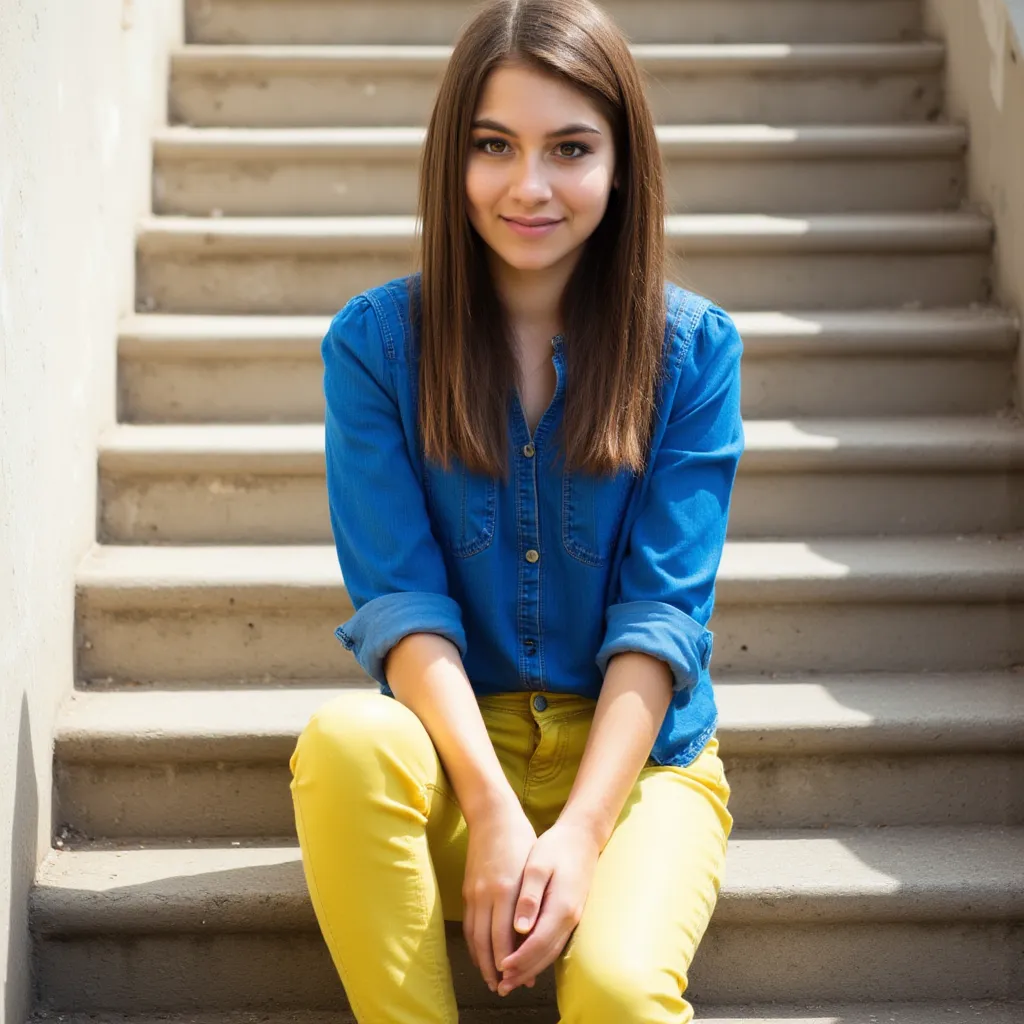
x=395 y=97
x=189 y=282
x=351 y=187
x=653 y=21
x=229 y=509
x=779 y=388
x=742 y=962
x=251 y=390
x=245 y=800
x=262 y=390
x=289 y=639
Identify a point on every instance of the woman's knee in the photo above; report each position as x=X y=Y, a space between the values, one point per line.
x=592 y=992
x=352 y=734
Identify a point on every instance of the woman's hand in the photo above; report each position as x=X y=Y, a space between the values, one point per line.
x=556 y=882
x=500 y=840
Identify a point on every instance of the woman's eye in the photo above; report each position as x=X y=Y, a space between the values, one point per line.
x=581 y=150
x=483 y=144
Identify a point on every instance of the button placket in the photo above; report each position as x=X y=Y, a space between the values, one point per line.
x=531 y=664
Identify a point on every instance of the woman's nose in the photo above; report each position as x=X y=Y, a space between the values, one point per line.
x=529 y=181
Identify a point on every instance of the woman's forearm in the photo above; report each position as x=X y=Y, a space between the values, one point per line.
x=634 y=697
x=425 y=673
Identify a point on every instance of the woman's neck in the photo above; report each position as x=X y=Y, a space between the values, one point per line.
x=533 y=299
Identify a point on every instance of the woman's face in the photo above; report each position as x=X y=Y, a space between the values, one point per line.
x=540 y=168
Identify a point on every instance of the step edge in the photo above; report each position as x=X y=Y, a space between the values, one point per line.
x=985 y=331
x=63 y=903
x=971 y=445
x=938 y=232
x=226 y=59
x=937 y=140
x=127 y=727
x=890 y=570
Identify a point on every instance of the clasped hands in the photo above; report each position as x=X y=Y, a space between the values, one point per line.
x=521 y=886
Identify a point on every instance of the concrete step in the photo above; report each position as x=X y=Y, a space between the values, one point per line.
x=911 y=913
x=266 y=613
x=227 y=484
x=384 y=85
x=710 y=169
x=799 y=751
x=747 y=261
x=960 y=1012
x=644 y=21
x=206 y=369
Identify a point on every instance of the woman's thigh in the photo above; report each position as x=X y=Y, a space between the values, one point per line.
x=654 y=889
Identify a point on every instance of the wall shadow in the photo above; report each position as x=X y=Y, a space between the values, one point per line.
x=25 y=820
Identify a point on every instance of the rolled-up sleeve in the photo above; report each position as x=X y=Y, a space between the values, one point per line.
x=391 y=564
x=666 y=587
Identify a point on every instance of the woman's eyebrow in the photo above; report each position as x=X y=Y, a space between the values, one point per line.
x=569 y=129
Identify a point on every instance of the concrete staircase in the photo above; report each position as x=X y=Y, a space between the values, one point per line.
x=870 y=621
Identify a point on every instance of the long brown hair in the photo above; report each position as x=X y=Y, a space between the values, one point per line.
x=613 y=307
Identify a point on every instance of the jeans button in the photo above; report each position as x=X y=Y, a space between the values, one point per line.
x=540 y=702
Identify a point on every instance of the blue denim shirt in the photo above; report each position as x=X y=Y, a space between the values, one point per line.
x=538 y=582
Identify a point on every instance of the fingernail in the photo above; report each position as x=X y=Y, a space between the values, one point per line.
x=523 y=922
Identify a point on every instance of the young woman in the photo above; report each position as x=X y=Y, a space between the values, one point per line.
x=531 y=447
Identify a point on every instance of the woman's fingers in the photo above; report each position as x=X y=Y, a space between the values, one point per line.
x=549 y=954
x=502 y=937
x=536 y=877
x=467 y=931
x=546 y=941
x=504 y=990
x=483 y=947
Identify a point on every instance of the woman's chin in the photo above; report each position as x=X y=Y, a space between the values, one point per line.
x=530 y=261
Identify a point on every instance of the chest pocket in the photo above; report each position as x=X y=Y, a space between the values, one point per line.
x=463 y=507
x=592 y=512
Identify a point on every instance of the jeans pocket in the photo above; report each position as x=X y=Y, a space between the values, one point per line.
x=592 y=512
x=463 y=507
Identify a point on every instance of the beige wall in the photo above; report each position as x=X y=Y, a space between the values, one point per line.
x=82 y=84
x=985 y=76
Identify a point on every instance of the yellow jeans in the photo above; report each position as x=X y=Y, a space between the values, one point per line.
x=384 y=853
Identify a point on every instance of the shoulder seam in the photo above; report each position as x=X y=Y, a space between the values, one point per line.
x=698 y=305
x=382 y=322
x=390 y=306
x=400 y=313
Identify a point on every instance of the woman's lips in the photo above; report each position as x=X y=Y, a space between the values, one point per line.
x=531 y=230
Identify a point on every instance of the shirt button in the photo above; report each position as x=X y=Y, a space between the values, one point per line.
x=540 y=702
x=532 y=556
x=529 y=451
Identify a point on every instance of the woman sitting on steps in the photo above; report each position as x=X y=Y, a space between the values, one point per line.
x=531 y=448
